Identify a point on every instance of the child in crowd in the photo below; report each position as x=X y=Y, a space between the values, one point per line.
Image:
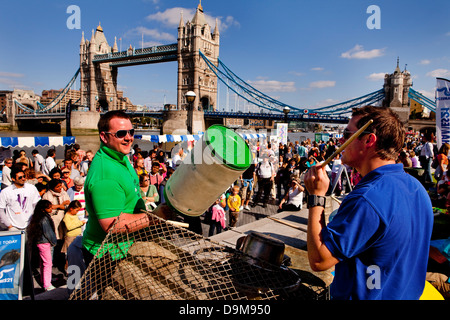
x=234 y=203
x=41 y=233
x=72 y=224
x=218 y=216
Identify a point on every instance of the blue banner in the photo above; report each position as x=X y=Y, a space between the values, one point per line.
x=442 y=111
x=11 y=256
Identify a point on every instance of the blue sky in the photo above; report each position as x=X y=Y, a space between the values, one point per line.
x=304 y=53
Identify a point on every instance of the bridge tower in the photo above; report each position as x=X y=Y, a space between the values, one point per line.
x=193 y=73
x=98 y=81
x=396 y=87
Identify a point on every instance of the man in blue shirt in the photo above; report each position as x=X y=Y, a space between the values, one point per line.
x=379 y=240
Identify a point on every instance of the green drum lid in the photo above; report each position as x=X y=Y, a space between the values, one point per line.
x=229 y=147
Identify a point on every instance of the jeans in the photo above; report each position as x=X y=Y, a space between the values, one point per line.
x=426 y=165
x=264 y=185
x=45 y=264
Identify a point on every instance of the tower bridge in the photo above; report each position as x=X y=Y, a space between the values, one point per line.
x=199 y=73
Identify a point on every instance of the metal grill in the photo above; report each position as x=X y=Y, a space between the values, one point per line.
x=168 y=262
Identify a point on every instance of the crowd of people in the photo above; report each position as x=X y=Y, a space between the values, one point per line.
x=46 y=200
x=54 y=213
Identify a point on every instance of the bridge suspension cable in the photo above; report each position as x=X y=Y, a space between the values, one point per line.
x=261 y=100
x=54 y=103
x=420 y=98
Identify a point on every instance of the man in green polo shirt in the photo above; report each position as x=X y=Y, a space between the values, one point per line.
x=111 y=189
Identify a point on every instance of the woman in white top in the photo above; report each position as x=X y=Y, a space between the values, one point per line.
x=294 y=197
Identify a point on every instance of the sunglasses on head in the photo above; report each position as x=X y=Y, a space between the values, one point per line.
x=347 y=133
x=120 y=134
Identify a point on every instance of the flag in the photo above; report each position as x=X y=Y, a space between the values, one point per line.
x=442 y=111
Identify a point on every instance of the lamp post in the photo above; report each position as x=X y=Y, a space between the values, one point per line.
x=190 y=98
x=286 y=111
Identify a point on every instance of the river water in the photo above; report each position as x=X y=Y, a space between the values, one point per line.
x=86 y=142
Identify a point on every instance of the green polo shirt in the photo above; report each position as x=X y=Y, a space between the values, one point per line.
x=111 y=187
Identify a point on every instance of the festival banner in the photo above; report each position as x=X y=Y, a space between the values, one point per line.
x=442 y=111
x=12 y=250
x=282 y=132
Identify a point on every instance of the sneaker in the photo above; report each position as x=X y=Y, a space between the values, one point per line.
x=247 y=207
x=241 y=208
x=49 y=288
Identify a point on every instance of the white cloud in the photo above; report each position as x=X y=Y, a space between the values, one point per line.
x=153 y=33
x=322 y=84
x=376 y=76
x=12 y=84
x=171 y=18
x=317 y=69
x=425 y=62
x=9 y=79
x=11 y=75
x=439 y=73
x=428 y=94
x=295 y=73
x=358 y=52
x=273 y=86
x=325 y=103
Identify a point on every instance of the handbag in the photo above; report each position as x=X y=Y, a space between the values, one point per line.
x=435 y=163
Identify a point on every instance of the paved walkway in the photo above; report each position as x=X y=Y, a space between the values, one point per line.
x=246 y=216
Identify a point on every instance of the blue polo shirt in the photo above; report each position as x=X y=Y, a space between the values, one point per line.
x=381 y=236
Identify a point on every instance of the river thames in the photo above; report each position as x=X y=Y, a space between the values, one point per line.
x=86 y=141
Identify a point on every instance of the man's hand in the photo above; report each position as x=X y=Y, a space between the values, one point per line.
x=317 y=181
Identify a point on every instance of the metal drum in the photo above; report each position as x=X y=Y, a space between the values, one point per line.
x=261 y=246
x=215 y=162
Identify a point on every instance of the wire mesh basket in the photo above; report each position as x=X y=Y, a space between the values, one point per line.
x=166 y=262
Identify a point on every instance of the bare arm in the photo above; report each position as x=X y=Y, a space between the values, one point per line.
x=126 y=222
x=320 y=258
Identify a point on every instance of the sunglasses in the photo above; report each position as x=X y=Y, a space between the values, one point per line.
x=120 y=134
x=347 y=133
x=20 y=177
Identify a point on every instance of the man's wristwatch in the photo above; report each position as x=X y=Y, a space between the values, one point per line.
x=314 y=201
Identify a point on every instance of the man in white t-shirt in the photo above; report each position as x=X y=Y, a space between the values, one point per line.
x=17 y=201
x=85 y=164
x=38 y=160
x=6 y=173
x=177 y=158
x=266 y=175
x=49 y=162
